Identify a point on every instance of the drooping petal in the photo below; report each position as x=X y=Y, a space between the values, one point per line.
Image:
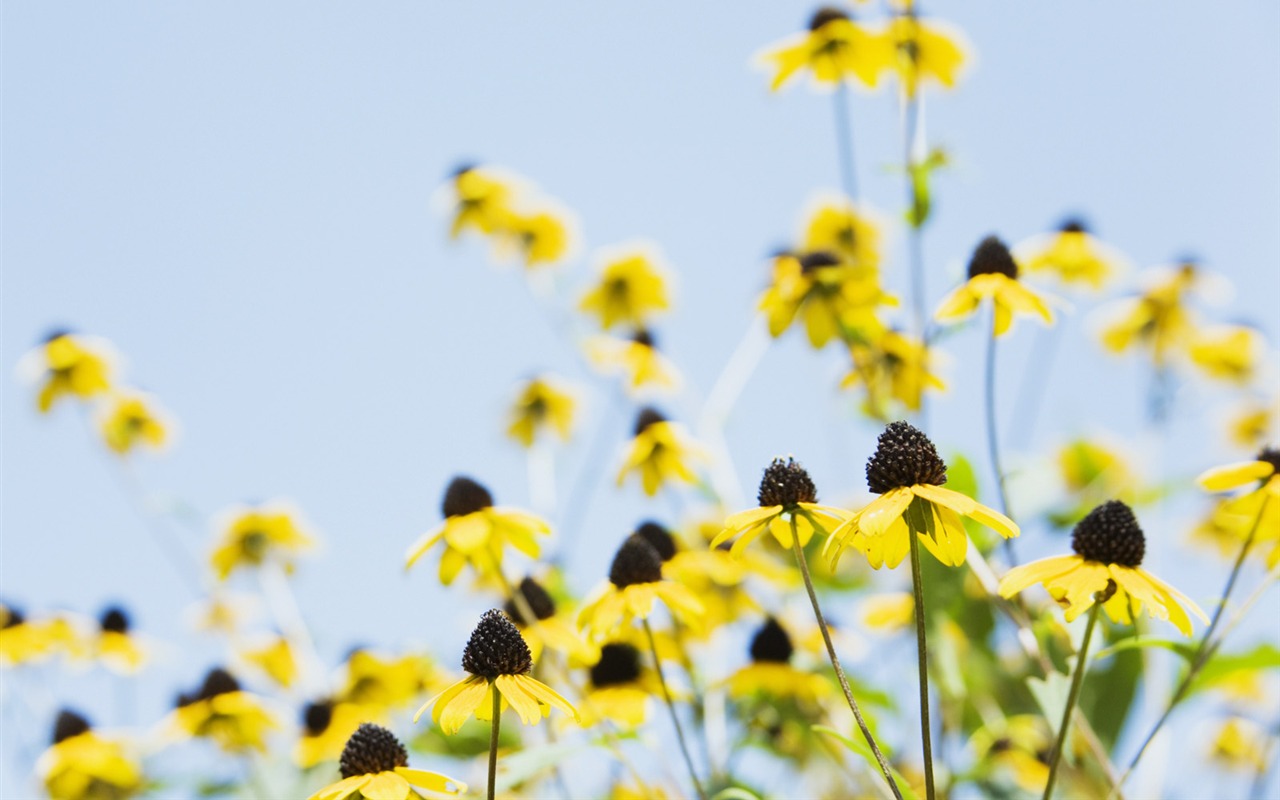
x=386 y=786
x=524 y=704
x=450 y=716
x=431 y=781
x=1045 y=571
x=546 y=695
x=876 y=518
x=1225 y=478
x=342 y=789
x=423 y=545
x=958 y=305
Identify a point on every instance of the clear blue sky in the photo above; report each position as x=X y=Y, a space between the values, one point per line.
x=238 y=195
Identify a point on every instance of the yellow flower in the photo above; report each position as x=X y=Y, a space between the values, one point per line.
x=548 y=628
x=1158 y=318
x=1020 y=744
x=326 y=727
x=1255 y=423
x=275 y=659
x=498 y=660
x=993 y=274
x=1241 y=744
x=475 y=531
x=830 y=296
x=541 y=237
x=888 y=612
x=130 y=420
x=1222 y=529
x=22 y=641
x=895 y=364
x=839 y=226
x=542 y=405
x=908 y=475
x=375 y=766
x=68 y=365
x=1106 y=569
x=1228 y=353
x=381 y=683
x=771 y=673
x=482 y=200
x=253 y=536
x=632 y=287
x=84 y=766
x=115 y=646
x=834 y=49
x=637 y=359
x=1260 y=505
x=1072 y=255
x=788 y=501
x=925 y=50
x=660 y=451
x=236 y=720
x=635 y=582
x=719 y=579
x=620 y=688
x=1092 y=466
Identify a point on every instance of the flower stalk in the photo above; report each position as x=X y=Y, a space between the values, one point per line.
x=494 y=728
x=1077 y=680
x=671 y=707
x=993 y=435
x=922 y=655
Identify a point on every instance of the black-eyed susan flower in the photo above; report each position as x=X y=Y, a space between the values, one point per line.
x=788 y=502
x=22 y=641
x=476 y=532
x=542 y=405
x=221 y=711
x=1239 y=743
x=253 y=536
x=1072 y=254
x=925 y=50
x=771 y=673
x=482 y=199
x=993 y=275
x=846 y=229
x=1017 y=746
x=115 y=645
x=81 y=765
x=326 y=727
x=375 y=766
x=834 y=49
x=620 y=688
x=381 y=683
x=547 y=628
x=497 y=660
x=1159 y=318
x=1107 y=569
x=129 y=420
x=830 y=296
x=893 y=365
x=637 y=359
x=1230 y=353
x=541 y=237
x=1260 y=505
x=631 y=287
x=908 y=474
x=660 y=451
x=68 y=365
x=273 y=658
x=720 y=580
x=635 y=582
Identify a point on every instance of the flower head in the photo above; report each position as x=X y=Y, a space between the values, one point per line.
x=254 y=536
x=482 y=200
x=130 y=420
x=635 y=582
x=637 y=359
x=115 y=645
x=476 y=532
x=993 y=274
x=620 y=687
x=219 y=710
x=908 y=474
x=541 y=405
x=326 y=727
x=81 y=765
x=1258 y=509
x=1106 y=569
x=375 y=766
x=1072 y=254
x=660 y=451
x=1231 y=353
x=1160 y=317
x=68 y=365
x=771 y=674
x=832 y=297
x=632 y=287
x=893 y=365
x=925 y=50
x=498 y=660
x=788 y=501
x=832 y=50
x=380 y=683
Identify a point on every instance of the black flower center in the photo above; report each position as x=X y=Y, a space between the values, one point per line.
x=824 y=15
x=904 y=457
x=12 y=618
x=540 y=603
x=635 y=562
x=496 y=648
x=991 y=257
x=659 y=537
x=786 y=483
x=465 y=496
x=317 y=716
x=1074 y=225
x=647 y=416
x=68 y=724
x=370 y=750
x=1110 y=534
x=771 y=643
x=114 y=620
x=818 y=259
x=1272 y=456
x=644 y=337
x=619 y=663
x=217 y=682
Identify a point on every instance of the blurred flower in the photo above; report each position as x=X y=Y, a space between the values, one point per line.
x=542 y=405
x=21 y=641
x=1158 y=318
x=475 y=531
x=619 y=689
x=635 y=582
x=68 y=364
x=548 y=628
x=252 y=536
x=1106 y=569
x=1261 y=504
x=84 y=766
x=1241 y=744
x=219 y=710
x=637 y=359
x=629 y=791
x=925 y=50
x=375 y=766
x=771 y=674
x=788 y=500
x=326 y=727
x=1255 y=423
x=1092 y=466
x=482 y=200
x=631 y=288
x=1222 y=528
x=382 y=683
x=893 y=364
x=851 y=232
x=498 y=660
x=1072 y=255
x=275 y=659
x=132 y=419
x=116 y=646
x=1230 y=353
x=1020 y=744
x=993 y=274
x=830 y=296
x=888 y=612
x=223 y=611
x=660 y=451
x=542 y=237
x=834 y=49
x=719 y=579
x=908 y=474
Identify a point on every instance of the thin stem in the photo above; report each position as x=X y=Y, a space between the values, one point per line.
x=844 y=140
x=1203 y=651
x=495 y=724
x=922 y=655
x=993 y=436
x=584 y=484
x=671 y=706
x=835 y=660
x=1077 y=680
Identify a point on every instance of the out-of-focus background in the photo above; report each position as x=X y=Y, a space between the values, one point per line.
x=239 y=197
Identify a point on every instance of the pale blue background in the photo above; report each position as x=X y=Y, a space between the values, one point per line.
x=237 y=195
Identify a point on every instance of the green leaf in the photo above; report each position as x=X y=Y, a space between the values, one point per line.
x=1223 y=667
x=1135 y=642
x=734 y=793
x=860 y=748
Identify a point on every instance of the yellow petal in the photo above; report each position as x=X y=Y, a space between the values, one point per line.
x=432 y=781
x=386 y=786
x=422 y=545
x=1042 y=571
x=546 y=695
x=342 y=789
x=1224 y=478
x=876 y=518
x=958 y=305
x=524 y=704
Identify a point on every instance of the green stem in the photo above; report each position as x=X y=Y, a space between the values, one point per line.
x=1077 y=680
x=835 y=660
x=922 y=655
x=495 y=725
x=993 y=436
x=844 y=140
x=671 y=706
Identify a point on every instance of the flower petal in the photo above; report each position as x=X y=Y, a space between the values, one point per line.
x=1224 y=478
x=386 y=786
x=432 y=781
